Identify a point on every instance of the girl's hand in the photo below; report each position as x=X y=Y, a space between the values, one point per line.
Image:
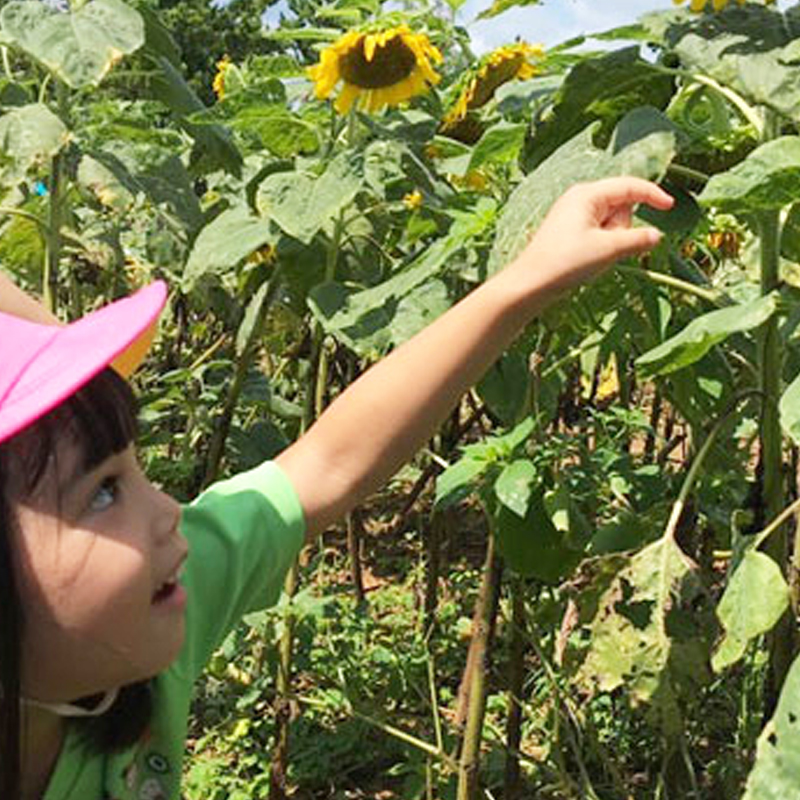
x=588 y=228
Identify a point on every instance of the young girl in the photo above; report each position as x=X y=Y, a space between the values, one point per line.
x=113 y=597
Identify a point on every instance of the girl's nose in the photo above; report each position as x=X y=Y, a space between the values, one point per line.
x=167 y=511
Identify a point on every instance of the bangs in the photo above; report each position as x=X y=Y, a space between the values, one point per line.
x=101 y=418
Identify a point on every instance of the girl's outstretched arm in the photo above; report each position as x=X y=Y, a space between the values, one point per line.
x=16 y=302
x=380 y=421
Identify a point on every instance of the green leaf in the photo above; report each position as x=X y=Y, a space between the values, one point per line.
x=302 y=204
x=106 y=186
x=29 y=135
x=703 y=332
x=754 y=600
x=213 y=141
x=280 y=131
x=499 y=6
x=747 y=49
x=224 y=242
x=370 y=320
x=307 y=34
x=531 y=545
x=602 y=89
x=505 y=387
x=459 y=480
x=790 y=410
x=776 y=774
x=514 y=486
x=646 y=634
x=79 y=47
x=643 y=145
x=498 y=145
x=769 y=178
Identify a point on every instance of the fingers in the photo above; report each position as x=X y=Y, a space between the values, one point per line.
x=629 y=191
x=630 y=242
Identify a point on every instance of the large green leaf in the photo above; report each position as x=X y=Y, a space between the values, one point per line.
x=29 y=135
x=646 y=633
x=214 y=144
x=224 y=242
x=768 y=178
x=601 y=89
x=746 y=48
x=776 y=774
x=703 y=332
x=754 y=600
x=643 y=145
x=370 y=320
x=531 y=545
x=79 y=47
x=498 y=145
x=301 y=204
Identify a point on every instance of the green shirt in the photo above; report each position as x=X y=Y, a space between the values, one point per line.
x=243 y=535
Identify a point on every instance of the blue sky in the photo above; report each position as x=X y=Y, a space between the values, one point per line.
x=554 y=21
x=551 y=22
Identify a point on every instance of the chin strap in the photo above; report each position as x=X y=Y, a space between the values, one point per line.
x=73 y=710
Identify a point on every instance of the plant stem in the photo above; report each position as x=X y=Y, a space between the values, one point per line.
x=52 y=252
x=216 y=448
x=781 y=641
x=469 y=763
x=516 y=678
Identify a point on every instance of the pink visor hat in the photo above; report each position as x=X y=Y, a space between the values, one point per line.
x=42 y=365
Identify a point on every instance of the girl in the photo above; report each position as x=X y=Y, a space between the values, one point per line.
x=113 y=597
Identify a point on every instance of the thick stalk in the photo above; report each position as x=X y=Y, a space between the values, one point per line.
x=469 y=763
x=516 y=679
x=314 y=402
x=781 y=641
x=278 y=784
x=216 y=447
x=52 y=251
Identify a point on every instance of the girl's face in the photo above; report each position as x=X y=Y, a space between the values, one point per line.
x=99 y=555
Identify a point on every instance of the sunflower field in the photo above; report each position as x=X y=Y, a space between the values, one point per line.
x=588 y=584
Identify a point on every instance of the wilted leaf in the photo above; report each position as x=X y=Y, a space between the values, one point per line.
x=776 y=774
x=647 y=631
x=29 y=136
x=703 y=332
x=754 y=600
x=79 y=47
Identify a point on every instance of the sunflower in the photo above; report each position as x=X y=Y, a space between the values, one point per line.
x=413 y=200
x=218 y=84
x=493 y=70
x=717 y=5
x=378 y=69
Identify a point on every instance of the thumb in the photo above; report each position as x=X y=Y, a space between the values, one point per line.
x=623 y=242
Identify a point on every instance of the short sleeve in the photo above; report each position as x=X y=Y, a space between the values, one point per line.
x=243 y=533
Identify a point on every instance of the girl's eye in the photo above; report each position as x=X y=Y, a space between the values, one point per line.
x=105 y=495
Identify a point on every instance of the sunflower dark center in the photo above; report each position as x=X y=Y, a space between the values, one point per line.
x=390 y=64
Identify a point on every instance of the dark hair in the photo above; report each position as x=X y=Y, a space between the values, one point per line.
x=101 y=416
